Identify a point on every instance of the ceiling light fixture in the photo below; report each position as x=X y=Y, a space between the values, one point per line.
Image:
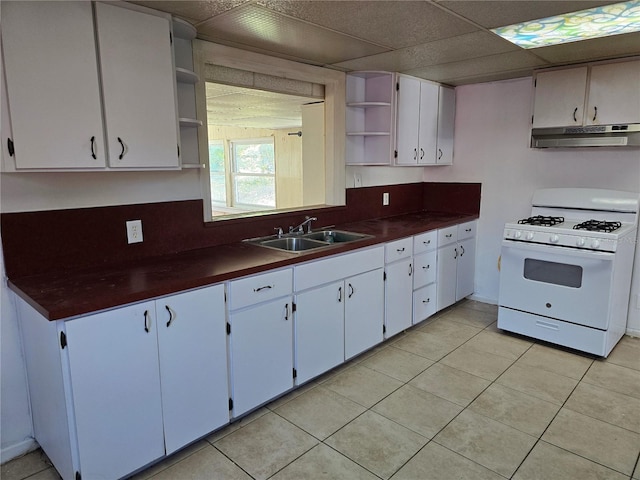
x=596 y=22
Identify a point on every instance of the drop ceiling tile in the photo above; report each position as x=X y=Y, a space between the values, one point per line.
x=492 y=64
x=262 y=29
x=195 y=11
x=499 y=13
x=396 y=24
x=453 y=49
x=590 y=50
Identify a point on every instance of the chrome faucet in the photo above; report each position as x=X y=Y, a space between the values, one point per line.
x=300 y=228
x=279 y=232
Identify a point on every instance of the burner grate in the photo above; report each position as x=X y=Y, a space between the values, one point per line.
x=542 y=221
x=598 y=226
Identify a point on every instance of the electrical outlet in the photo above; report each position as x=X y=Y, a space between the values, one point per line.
x=134 y=231
x=385 y=198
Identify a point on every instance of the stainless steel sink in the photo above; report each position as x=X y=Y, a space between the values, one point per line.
x=298 y=243
x=292 y=244
x=335 y=236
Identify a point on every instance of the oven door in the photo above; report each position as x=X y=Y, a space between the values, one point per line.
x=557 y=282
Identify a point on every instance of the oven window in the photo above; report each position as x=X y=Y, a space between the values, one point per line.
x=552 y=272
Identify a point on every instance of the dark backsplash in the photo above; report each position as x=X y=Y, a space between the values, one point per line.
x=59 y=240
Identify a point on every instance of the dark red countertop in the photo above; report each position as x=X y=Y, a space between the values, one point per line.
x=69 y=293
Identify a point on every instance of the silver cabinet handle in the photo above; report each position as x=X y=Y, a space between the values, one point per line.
x=172 y=314
x=147 y=321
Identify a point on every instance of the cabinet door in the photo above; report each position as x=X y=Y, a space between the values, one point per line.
x=138 y=82
x=559 y=97
x=398 y=294
x=446 y=266
x=364 y=312
x=408 y=119
x=113 y=362
x=446 y=125
x=193 y=364
x=6 y=136
x=614 y=94
x=465 y=268
x=428 y=124
x=319 y=325
x=52 y=83
x=261 y=354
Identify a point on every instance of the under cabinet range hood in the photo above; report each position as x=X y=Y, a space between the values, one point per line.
x=588 y=136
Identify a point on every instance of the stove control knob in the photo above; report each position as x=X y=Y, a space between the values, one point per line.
x=580 y=242
x=517 y=234
x=529 y=236
x=595 y=243
x=554 y=239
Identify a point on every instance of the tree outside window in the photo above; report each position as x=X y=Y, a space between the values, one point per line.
x=253 y=173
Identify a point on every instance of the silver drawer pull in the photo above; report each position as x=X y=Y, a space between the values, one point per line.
x=266 y=287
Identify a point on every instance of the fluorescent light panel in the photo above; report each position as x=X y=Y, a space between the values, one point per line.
x=596 y=22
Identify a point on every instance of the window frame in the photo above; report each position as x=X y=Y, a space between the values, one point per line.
x=232 y=197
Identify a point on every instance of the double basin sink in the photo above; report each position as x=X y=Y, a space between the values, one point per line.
x=304 y=242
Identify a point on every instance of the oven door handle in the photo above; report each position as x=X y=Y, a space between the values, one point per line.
x=554 y=250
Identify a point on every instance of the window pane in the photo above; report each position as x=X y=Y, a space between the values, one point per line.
x=251 y=190
x=216 y=157
x=218 y=187
x=254 y=158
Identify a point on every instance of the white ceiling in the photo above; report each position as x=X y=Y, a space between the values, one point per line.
x=447 y=41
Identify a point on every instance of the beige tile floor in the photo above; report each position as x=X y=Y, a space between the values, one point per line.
x=452 y=398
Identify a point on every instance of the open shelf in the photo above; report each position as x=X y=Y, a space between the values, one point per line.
x=183 y=29
x=190 y=122
x=186 y=76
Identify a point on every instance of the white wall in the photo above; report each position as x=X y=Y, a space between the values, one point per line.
x=491 y=138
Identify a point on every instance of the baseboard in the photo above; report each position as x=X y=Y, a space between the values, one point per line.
x=478 y=298
x=634 y=332
x=17 y=449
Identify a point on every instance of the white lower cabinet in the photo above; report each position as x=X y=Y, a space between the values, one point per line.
x=363 y=312
x=319 y=330
x=260 y=339
x=398 y=286
x=456 y=263
x=114 y=391
x=339 y=310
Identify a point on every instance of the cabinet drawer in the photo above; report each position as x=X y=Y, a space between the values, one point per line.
x=447 y=235
x=425 y=269
x=260 y=288
x=467 y=230
x=425 y=242
x=397 y=250
x=424 y=303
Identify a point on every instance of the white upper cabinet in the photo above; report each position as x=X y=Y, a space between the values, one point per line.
x=446 y=125
x=138 y=82
x=65 y=91
x=425 y=123
x=600 y=94
x=614 y=94
x=53 y=86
